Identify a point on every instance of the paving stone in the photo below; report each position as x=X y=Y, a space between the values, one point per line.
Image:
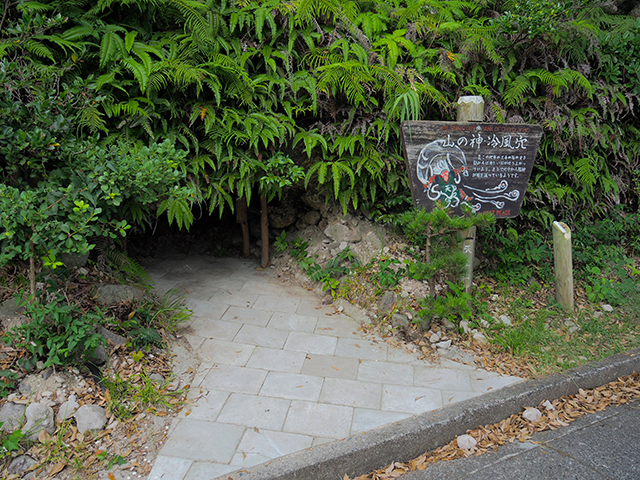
x=194 y=340
x=208 y=310
x=331 y=366
x=234 y=379
x=206 y=471
x=338 y=326
x=322 y=440
x=293 y=322
x=276 y=360
x=314 y=308
x=384 y=372
x=225 y=353
x=277 y=304
x=199 y=440
x=261 y=336
x=319 y=420
x=434 y=377
x=365 y=419
x=169 y=468
x=247 y=316
x=254 y=411
x=351 y=393
x=311 y=343
x=263 y=445
x=215 y=329
x=292 y=386
x=361 y=348
x=400 y=355
x=205 y=404
x=260 y=287
x=414 y=400
x=483 y=382
x=233 y=298
x=455 y=396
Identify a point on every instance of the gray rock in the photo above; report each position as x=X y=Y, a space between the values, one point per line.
x=386 y=302
x=282 y=216
x=449 y=325
x=113 y=294
x=11 y=416
x=156 y=378
x=67 y=410
x=446 y=344
x=315 y=202
x=39 y=417
x=607 y=308
x=11 y=315
x=464 y=325
x=20 y=464
x=548 y=405
x=112 y=337
x=466 y=442
x=312 y=218
x=399 y=320
x=90 y=418
x=532 y=414
x=480 y=338
x=598 y=315
x=72 y=260
x=342 y=233
x=327 y=300
x=505 y=320
x=435 y=337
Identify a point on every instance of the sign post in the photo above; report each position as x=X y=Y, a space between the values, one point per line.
x=485 y=166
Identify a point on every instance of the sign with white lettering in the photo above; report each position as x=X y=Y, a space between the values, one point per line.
x=484 y=165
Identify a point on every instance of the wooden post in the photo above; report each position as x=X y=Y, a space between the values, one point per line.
x=264 y=228
x=241 y=218
x=470 y=109
x=563 y=265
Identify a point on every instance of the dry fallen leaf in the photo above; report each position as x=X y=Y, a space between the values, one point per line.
x=58 y=467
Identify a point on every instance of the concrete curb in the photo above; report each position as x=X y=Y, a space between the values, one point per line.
x=412 y=437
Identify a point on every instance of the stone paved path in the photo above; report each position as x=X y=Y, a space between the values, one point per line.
x=281 y=373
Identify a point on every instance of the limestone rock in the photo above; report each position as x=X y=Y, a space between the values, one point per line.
x=446 y=344
x=67 y=409
x=466 y=442
x=449 y=325
x=532 y=414
x=20 y=464
x=548 y=405
x=399 y=320
x=90 y=417
x=112 y=337
x=342 y=233
x=480 y=338
x=113 y=294
x=11 y=416
x=312 y=218
x=39 y=417
x=505 y=320
x=387 y=301
x=11 y=315
x=607 y=308
x=464 y=325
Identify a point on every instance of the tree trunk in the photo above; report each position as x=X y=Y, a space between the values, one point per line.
x=241 y=218
x=264 y=225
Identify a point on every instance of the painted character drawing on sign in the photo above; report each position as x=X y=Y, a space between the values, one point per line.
x=441 y=167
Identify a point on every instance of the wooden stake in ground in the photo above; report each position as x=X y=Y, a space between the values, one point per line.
x=241 y=218
x=264 y=227
x=470 y=109
x=563 y=264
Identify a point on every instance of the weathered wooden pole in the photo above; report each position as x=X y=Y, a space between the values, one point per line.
x=241 y=218
x=470 y=109
x=563 y=264
x=264 y=224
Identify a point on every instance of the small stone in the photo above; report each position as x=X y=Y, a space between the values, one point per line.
x=156 y=378
x=39 y=417
x=67 y=410
x=464 y=325
x=11 y=416
x=505 y=320
x=480 y=338
x=340 y=308
x=607 y=308
x=434 y=338
x=327 y=300
x=90 y=417
x=484 y=323
x=399 y=320
x=444 y=345
x=532 y=414
x=20 y=464
x=573 y=329
x=466 y=442
x=548 y=405
x=83 y=271
x=449 y=325
x=494 y=297
x=598 y=315
x=46 y=393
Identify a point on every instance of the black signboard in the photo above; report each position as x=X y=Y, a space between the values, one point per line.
x=485 y=165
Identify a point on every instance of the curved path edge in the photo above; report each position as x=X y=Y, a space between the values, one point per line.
x=410 y=438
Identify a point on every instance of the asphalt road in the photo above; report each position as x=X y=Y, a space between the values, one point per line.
x=603 y=445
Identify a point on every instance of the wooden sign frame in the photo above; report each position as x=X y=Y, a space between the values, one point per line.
x=486 y=166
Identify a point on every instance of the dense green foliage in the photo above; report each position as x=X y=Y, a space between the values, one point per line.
x=197 y=102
